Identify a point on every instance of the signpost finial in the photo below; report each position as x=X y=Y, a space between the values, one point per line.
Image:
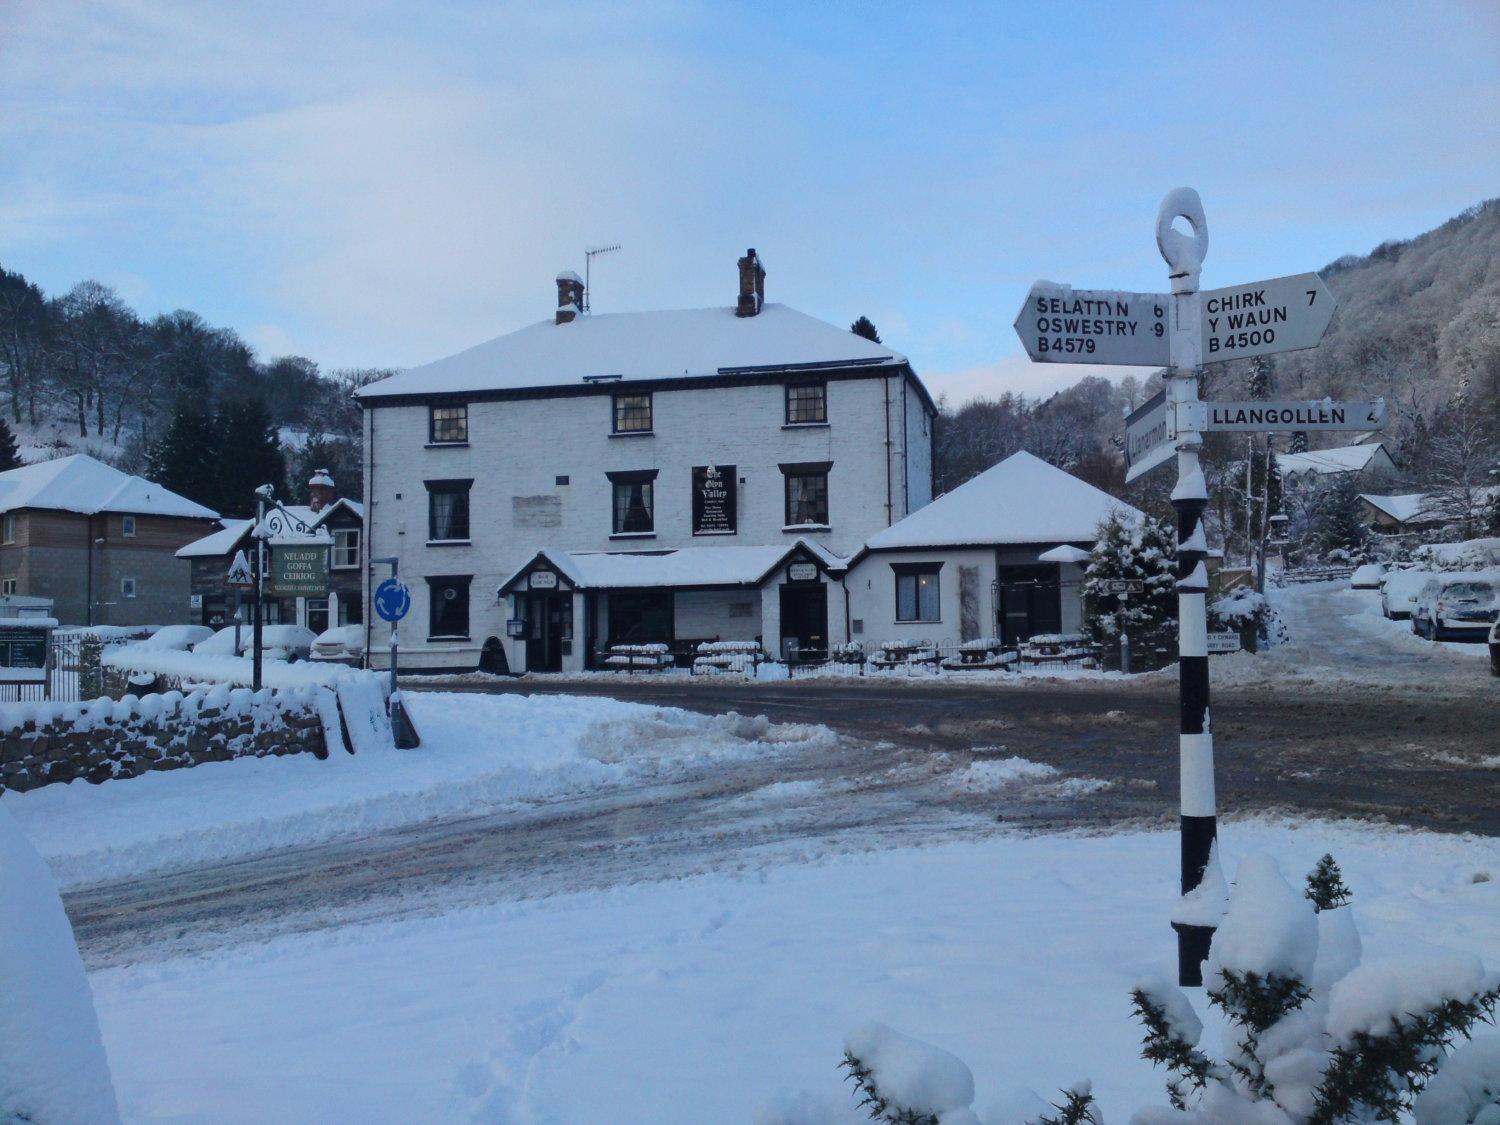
x=1184 y=252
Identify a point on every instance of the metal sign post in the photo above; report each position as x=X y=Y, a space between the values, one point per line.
x=1181 y=332
x=258 y=625
x=1198 y=818
x=1123 y=588
x=392 y=601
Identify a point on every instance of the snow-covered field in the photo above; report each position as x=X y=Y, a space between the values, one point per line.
x=480 y=753
x=710 y=998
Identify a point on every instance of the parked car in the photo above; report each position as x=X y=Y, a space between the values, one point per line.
x=344 y=644
x=1495 y=648
x=176 y=638
x=1457 y=606
x=1399 y=590
x=1367 y=577
x=278 y=642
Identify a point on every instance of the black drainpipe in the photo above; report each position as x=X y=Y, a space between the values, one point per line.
x=364 y=593
x=886 y=385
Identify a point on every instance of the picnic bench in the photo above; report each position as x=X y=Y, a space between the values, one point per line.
x=904 y=654
x=982 y=653
x=644 y=658
x=1061 y=648
x=726 y=656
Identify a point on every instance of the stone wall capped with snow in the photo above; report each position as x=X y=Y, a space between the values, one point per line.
x=43 y=743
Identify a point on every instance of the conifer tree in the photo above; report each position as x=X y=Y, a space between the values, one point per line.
x=247 y=454
x=10 y=456
x=184 y=458
x=866 y=328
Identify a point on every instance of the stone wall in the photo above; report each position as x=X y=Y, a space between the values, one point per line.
x=106 y=738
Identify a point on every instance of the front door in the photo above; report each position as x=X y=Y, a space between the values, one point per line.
x=549 y=623
x=1030 y=602
x=804 y=618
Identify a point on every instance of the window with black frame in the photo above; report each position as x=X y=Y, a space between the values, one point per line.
x=918 y=594
x=634 y=503
x=633 y=414
x=448 y=607
x=448 y=511
x=807 y=493
x=806 y=404
x=448 y=425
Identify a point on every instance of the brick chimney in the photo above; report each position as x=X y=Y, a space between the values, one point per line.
x=752 y=285
x=569 y=296
x=320 y=490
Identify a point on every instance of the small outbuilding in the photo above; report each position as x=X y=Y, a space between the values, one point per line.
x=1002 y=555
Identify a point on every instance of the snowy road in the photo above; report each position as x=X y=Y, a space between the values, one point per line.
x=1355 y=719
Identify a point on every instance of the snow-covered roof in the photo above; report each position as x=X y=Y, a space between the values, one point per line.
x=81 y=484
x=219 y=542
x=1344 y=459
x=683 y=567
x=674 y=344
x=1023 y=499
x=1402 y=508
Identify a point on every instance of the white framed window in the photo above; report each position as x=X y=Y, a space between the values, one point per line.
x=127 y=526
x=7 y=587
x=8 y=528
x=127 y=587
x=345 y=548
x=917 y=597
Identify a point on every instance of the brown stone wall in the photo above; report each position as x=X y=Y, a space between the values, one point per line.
x=108 y=739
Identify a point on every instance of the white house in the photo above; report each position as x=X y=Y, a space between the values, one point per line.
x=999 y=556
x=638 y=477
x=1369 y=461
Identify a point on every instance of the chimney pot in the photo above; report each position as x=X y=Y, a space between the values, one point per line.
x=320 y=490
x=752 y=285
x=569 y=296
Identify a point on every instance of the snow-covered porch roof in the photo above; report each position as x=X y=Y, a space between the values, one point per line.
x=682 y=568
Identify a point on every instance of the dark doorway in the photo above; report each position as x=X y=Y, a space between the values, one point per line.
x=643 y=618
x=804 y=618
x=1030 y=602
x=549 y=629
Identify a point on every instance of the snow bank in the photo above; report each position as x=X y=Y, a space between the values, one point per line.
x=52 y=1062
x=909 y=1073
x=479 y=754
x=997 y=773
x=200 y=667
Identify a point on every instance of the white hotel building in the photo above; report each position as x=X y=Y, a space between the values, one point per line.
x=622 y=478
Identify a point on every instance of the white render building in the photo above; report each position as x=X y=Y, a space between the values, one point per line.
x=626 y=478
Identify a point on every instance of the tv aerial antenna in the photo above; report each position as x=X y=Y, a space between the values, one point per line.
x=589 y=255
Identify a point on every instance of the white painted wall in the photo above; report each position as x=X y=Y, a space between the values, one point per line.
x=518 y=449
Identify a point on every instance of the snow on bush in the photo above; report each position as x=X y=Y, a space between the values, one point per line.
x=1471 y=554
x=1467 y=1090
x=904 y=1079
x=52 y=1062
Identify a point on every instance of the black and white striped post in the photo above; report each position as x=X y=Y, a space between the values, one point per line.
x=1199 y=826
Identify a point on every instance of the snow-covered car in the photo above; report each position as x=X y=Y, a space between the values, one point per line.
x=343 y=643
x=1398 y=593
x=1367 y=577
x=1495 y=648
x=1457 y=607
x=278 y=642
x=221 y=643
x=175 y=638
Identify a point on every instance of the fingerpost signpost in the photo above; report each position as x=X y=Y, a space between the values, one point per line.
x=1181 y=331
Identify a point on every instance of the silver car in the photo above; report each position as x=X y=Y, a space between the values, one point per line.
x=1456 y=607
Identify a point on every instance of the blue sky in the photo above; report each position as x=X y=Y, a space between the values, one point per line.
x=384 y=184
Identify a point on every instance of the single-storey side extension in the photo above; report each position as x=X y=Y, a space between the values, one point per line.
x=1000 y=556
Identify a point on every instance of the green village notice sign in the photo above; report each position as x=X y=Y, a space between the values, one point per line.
x=298 y=571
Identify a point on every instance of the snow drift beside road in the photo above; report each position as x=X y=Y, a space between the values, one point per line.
x=479 y=753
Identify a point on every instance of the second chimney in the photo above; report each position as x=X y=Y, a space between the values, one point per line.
x=569 y=296
x=320 y=490
x=752 y=285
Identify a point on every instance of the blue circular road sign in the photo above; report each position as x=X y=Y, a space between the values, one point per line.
x=392 y=600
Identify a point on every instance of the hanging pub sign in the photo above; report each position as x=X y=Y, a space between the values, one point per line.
x=299 y=571
x=714 y=499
